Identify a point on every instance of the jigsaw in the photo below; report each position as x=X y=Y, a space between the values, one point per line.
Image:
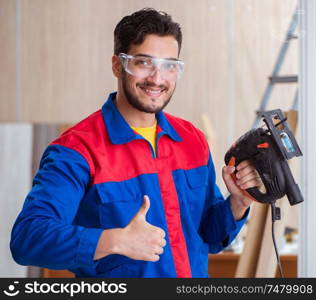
x=269 y=147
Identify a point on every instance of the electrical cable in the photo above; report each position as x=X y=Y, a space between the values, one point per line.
x=275 y=213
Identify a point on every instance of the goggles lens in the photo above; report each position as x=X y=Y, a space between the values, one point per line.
x=144 y=66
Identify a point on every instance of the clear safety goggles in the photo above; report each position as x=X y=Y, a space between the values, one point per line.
x=143 y=66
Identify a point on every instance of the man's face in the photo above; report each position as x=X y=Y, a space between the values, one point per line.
x=152 y=93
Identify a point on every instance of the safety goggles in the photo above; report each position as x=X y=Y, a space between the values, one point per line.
x=143 y=66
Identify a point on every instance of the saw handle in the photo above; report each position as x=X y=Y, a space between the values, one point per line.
x=274 y=187
x=232 y=162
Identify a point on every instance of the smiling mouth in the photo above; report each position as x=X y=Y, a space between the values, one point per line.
x=152 y=92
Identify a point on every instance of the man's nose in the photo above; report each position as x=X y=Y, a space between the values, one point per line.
x=156 y=76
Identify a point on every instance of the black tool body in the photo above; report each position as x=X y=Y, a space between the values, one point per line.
x=269 y=149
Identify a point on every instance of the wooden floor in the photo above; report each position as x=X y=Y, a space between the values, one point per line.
x=221 y=265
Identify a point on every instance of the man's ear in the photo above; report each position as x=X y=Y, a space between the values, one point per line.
x=116 y=66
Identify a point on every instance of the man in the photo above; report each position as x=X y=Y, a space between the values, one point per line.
x=130 y=191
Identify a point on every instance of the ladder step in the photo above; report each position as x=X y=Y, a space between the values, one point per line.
x=291 y=37
x=283 y=79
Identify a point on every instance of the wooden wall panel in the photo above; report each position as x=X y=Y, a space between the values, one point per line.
x=65 y=58
x=67 y=49
x=7 y=60
x=229 y=48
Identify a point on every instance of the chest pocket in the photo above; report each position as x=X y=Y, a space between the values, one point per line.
x=118 y=203
x=196 y=180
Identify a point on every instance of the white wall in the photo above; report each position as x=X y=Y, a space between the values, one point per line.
x=15 y=174
x=307 y=103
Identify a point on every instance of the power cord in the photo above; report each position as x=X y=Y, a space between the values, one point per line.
x=276 y=215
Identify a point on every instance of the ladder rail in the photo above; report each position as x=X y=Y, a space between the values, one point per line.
x=280 y=59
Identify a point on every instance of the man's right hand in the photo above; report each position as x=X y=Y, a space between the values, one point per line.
x=139 y=240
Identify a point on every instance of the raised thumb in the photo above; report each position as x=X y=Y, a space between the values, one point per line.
x=145 y=207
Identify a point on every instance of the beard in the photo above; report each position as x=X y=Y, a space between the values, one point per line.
x=136 y=103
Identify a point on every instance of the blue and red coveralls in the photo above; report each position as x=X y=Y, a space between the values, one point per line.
x=94 y=177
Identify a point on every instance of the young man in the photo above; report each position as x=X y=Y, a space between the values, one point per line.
x=130 y=191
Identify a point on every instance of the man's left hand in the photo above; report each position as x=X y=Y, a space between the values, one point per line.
x=246 y=177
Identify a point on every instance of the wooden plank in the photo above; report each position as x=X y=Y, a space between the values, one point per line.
x=210 y=134
x=292 y=116
x=247 y=263
x=267 y=262
x=208 y=129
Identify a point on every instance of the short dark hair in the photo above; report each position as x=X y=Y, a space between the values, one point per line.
x=132 y=29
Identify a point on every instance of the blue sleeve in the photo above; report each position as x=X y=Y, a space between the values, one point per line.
x=43 y=234
x=218 y=226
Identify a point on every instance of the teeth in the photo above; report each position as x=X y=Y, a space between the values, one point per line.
x=153 y=92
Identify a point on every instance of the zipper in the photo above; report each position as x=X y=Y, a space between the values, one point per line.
x=158 y=136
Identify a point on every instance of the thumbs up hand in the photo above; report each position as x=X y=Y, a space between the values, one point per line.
x=138 y=240
x=141 y=240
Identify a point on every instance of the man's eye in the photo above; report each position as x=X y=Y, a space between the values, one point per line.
x=142 y=62
x=171 y=66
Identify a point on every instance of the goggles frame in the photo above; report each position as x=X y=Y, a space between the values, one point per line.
x=163 y=64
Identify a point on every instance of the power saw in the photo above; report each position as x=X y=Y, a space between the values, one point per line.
x=269 y=147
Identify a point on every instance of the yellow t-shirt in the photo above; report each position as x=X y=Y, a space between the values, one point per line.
x=149 y=133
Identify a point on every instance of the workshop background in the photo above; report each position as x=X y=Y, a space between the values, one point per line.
x=55 y=69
